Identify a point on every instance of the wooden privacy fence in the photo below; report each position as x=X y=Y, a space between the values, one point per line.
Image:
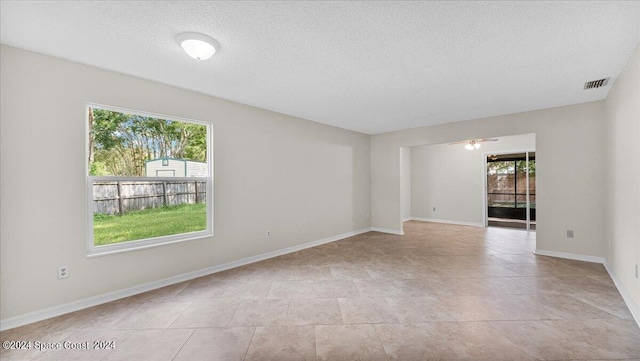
x=507 y=188
x=126 y=196
x=507 y=183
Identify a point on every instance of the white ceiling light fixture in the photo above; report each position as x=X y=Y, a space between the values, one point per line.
x=471 y=145
x=198 y=46
x=474 y=144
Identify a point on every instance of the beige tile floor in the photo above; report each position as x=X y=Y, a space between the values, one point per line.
x=440 y=292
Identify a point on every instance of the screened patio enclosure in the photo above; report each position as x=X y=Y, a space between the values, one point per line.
x=511 y=190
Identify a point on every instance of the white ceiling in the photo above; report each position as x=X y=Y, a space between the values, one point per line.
x=367 y=66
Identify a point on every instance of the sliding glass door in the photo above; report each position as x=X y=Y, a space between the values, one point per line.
x=511 y=190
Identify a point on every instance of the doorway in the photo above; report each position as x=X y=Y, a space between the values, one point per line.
x=511 y=190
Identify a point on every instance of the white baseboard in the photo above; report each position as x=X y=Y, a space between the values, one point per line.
x=577 y=257
x=387 y=230
x=40 y=315
x=459 y=223
x=626 y=296
x=407 y=219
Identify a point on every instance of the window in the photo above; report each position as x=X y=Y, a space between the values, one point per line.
x=149 y=180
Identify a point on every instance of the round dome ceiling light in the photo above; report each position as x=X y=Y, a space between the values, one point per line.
x=198 y=46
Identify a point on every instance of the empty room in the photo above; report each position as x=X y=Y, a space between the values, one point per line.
x=319 y=180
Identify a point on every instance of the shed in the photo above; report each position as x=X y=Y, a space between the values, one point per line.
x=174 y=167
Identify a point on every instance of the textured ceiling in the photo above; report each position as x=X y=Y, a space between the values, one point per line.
x=367 y=66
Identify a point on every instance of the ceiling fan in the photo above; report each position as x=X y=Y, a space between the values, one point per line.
x=472 y=144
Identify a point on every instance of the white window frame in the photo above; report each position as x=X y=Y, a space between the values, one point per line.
x=96 y=251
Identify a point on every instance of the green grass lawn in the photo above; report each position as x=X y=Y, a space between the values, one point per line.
x=149 y=223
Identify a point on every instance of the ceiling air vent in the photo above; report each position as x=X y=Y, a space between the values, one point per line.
x=596 y=83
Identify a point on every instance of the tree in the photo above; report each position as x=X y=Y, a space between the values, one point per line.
x=121 y=143
x=504 y=167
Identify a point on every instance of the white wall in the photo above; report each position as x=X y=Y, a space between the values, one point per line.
x=623 y=176
x=569 y=171
x=301 y=180
x=450 y=178
x=405 y=182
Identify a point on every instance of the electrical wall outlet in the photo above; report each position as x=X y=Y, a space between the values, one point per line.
x=268 y=233
x=63 y=272
x=434 y=209
x=569 y=233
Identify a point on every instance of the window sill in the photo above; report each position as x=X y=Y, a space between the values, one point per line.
x=107 y=250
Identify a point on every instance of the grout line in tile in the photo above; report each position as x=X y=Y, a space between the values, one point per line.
x=344 y=322
x=315 y=333
x=234 y=314
x=249 y=345
x=286 y=316
x=181 y=312
x=357 y=289
x=508 y=339
x=379 y=340
x=270 y=290
x=185 y=342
